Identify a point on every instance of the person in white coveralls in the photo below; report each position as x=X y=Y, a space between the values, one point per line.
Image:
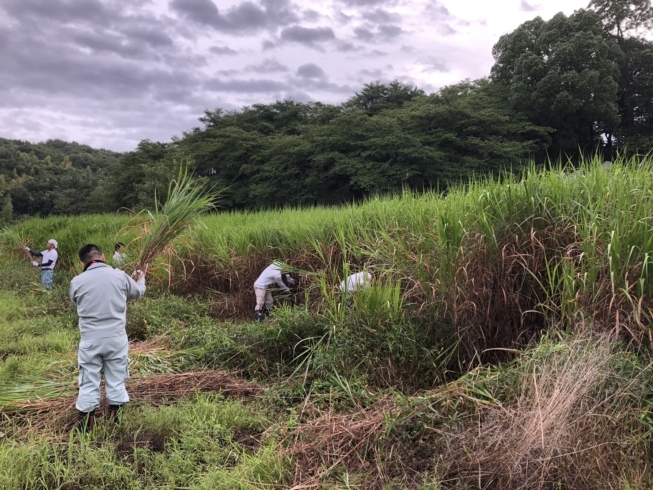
x=269 y=278
x=357 y=281
x=100 y=294
x=48 y=261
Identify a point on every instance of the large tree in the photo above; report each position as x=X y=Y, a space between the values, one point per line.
x=563 y=74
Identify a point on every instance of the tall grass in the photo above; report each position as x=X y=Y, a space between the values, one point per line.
x=487 y=266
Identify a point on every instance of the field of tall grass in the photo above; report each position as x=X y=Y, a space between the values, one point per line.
x=505 y=343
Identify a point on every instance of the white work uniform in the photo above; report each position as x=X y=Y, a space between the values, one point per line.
x=118 y=258
x=356 y=281
x=270 y=277
x=100 y=295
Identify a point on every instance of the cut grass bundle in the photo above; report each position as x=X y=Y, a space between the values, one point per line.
x=156 y=232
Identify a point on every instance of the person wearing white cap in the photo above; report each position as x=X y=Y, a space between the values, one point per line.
x=48 y=261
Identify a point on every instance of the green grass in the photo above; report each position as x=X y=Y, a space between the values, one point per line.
x=485 y=300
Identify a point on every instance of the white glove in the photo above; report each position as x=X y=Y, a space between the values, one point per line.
x=139 y=277
x=35 y=263
x=26 y=249
x=291 y=281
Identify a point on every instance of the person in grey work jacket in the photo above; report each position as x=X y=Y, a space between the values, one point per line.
x=48 y=261
x=100 y=294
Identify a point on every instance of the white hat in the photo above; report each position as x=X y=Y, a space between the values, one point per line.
x=53 y=242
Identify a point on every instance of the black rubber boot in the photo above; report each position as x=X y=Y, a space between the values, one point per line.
x=115 y=412
x=85 y=421
x=258 y=316
x=266 y=312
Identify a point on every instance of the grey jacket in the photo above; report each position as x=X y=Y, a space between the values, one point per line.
x=100 y=295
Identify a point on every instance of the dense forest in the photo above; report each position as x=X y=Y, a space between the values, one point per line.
x=567 y=87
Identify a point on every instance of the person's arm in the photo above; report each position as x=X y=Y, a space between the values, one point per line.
x=71 y=293
x=33 y=253
x=278 y=279
x=136 y=288
x=45 y=264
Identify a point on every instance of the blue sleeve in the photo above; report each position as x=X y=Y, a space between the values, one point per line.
x=34 y=253
x=45 y=264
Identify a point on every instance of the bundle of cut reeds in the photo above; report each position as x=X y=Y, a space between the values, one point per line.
x=187 y=199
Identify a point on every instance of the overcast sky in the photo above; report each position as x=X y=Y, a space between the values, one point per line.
x=110 y=73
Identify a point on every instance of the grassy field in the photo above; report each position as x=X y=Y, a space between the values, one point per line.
x=505 y=343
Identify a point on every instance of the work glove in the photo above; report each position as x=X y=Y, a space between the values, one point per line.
x=26 y=249
x=138 y=276
x=291 y=281
x=35 y=263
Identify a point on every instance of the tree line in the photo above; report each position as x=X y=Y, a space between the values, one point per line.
x=567 y=87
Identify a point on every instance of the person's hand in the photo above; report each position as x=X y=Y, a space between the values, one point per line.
x=291 y=281
x=35 y=263
x=139 y=274
x=26 y=249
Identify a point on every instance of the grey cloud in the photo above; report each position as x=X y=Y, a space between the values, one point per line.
x=347 y=47
x=299 y=96
x=384 y=33
x=307 y=35
x=245 y=86
x=364 y=3
x=107 y=42
x=364 y=34
x=200 y=11
x=390 y=31
x=527 y=7
x=464 y=23
x=322 y=84
x=381 y=16
x=376 y=52
x=268 y=65
x=241 y=19
x=223 y=50
x=447 y=30
x=268 y=45
x=343 y=18
x=310 y=15
x=61 y=10
x=434 y=64
x=371 y=73
x=310 y=70
x=437 y=11
x=153 y=37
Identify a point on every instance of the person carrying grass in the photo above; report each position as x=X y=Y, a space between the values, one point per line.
x=100 y=294
x=48 y=261
x=270 y=277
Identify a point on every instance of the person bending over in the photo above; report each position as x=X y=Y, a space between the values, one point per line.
x=48 y=261
x=100 y=294
x=270 y=277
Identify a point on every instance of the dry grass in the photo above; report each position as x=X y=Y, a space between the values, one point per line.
x=573 y=425
x=153 y=390
x=328 y=442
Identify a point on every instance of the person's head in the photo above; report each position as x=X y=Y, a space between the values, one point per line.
x=52 y=244
x=89 y=253
x=120 y=247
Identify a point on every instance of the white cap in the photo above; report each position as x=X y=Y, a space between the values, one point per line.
x=53 y=242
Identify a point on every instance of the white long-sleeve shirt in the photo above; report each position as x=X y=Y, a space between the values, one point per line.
x=269 y=277
x=356 y=281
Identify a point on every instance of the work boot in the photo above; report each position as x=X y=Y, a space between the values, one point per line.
x=85 y=421
x=266 y=312
x=115 y=412
x=258 y=316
